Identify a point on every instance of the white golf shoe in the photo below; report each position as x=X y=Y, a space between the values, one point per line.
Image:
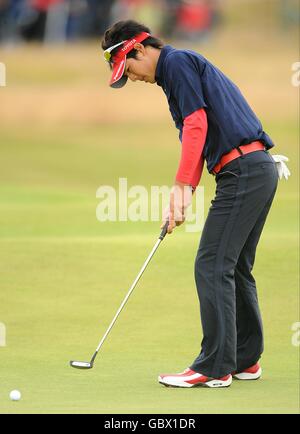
x=252 y=373
x=190 y=378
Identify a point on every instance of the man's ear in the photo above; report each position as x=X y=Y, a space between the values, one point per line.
x=140 y=48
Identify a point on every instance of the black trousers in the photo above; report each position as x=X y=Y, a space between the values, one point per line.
x=230 y=315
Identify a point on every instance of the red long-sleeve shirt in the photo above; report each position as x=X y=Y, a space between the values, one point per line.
x=193 y=140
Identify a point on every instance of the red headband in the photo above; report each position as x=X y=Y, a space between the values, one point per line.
x=119 y=60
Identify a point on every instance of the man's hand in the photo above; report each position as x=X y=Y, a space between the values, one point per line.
x=180 y=200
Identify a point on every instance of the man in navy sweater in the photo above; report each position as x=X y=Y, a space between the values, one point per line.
x=216 y=125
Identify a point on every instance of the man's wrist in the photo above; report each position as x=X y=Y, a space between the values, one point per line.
x=183 y=184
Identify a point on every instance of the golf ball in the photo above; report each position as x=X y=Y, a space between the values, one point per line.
x=15 y=395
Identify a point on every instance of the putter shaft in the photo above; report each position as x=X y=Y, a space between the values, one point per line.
x=160 y=239
x=127 y=297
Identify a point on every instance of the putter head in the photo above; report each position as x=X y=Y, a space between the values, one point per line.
x=81 y=365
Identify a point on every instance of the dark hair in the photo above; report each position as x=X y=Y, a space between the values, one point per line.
x=124 y=30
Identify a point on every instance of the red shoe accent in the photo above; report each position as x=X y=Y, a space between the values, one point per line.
x=185 y=373
x=252 y=370
x=204 y=379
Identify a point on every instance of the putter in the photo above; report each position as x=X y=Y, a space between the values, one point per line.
x=90 y=364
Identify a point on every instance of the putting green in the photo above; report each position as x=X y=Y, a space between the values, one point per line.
x=64 y=274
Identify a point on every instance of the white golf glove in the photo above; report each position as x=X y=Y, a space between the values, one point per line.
x=282 y=168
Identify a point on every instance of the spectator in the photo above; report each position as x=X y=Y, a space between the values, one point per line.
x=4 y=10
x=99 y=15
x=194 y=19
x=77 y=19
x=32 y=19
x=171 y=8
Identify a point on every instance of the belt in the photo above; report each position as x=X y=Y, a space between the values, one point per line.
x=236 y=153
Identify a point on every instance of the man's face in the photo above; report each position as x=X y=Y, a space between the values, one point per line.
x=143 y=67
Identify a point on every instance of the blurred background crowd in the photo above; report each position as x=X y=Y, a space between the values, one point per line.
x=66 y=20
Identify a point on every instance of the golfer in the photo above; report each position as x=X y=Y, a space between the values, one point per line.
x=216 y=125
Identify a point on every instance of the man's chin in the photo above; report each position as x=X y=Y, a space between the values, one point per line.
x=148 y=80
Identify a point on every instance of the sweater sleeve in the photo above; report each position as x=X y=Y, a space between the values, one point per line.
x=193 y=140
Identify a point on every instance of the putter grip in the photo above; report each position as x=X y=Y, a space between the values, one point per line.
x=164 y=230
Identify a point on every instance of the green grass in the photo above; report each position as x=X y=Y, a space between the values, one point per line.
x=64 y=274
